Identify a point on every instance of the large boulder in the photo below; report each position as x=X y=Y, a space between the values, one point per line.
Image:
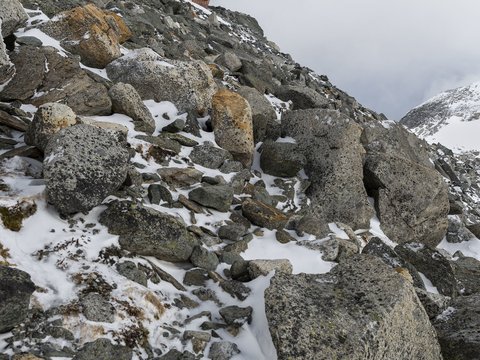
x=35 y=84
x=263 y=114
x=361 y=310
x=457 y=329
x=330 y=142
x=218 y=197
x=126 y=100
x=232 y=125
x=49 y=119
x=90 y=32
x=83 y=165
x=15 y=291
x=411 y=199
x=148 y=232
x=187 y=84
x=12 y=16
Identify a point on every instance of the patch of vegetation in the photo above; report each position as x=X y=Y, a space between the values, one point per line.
x=13 y=216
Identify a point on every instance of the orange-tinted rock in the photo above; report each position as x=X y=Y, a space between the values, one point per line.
x=263 y=215
x=232 y=125
x=203 y=3
x=90 y=32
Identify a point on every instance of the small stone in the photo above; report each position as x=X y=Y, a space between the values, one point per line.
x=240 y=270
x=283 y=237
x=235 y=315
x=209 y=156
x=202 y=258
x=232 y=232
x=263 y=215
x=196 y=277
x=175 y=126
x=223 y=350
x=180 y=177
x=103 y=349
x=131 y=272
x=157 y=193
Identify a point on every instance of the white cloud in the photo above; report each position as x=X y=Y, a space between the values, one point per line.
x=391 y=55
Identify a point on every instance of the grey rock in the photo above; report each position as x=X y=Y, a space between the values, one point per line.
x=239 y=270
x=236 y=315
x=204 y=259
x=434 y=304
x=12 y=16
x=180 y=177
x=361 y=309
x=217 y=197
x=263 y=114
x=467 y=274
x=157 y=193
x=6 y=67
x=474 y=229
x=126 y=100
x=206 y=295
x=103 y=349
x=162 y=142
x=132 y=272
x=457 y=329
x=283 y=237
x=209 y=156
x=68 y=84
x=229 y=60
x=432 y=264
x=281 y=159
x=83 y=165
x=49 y=119
x=196 y=277
x=258 y=268
x=15 y=291
x=231 y=232
x=96 y=308
x=231 y=166
x=177 y=355
x=189 y=85
x=223 y=350
x=330 y=142
x=378 y=248
x=257 y=74
x=175 y=126
x=29 y=40
x=302 y=97
x=148 y=232
x=457 y=232
x=236 y=289
x=411 y=207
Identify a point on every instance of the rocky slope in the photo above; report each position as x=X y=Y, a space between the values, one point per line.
x=173 y=186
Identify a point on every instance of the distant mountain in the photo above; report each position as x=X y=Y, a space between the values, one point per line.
x=450 y=118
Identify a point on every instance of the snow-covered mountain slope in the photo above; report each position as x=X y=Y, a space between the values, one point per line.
x=451 y=118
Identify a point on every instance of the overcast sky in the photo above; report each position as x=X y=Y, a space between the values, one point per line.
x=389 y=54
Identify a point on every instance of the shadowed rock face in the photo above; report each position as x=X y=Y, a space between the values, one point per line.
x=361 y=309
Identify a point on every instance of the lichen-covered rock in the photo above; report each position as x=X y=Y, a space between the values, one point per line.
x=15 y=291
x=209 y=156
x=411 y=199
x=263 y=215
x=204 y=259
x=187 y=84
x=361 y=309
x=281 y=159
x=223 y=350
x=83 y=165
x=218 y=197
x=49 y=119
x=232 y=125
x=330 y=142
x=457 y=329
x=90 y=32
x=258 y=268
x=126 y=100
x=12 y=16
x=96 y=308
x=263 y=114
x=146 y=231
x=103 y=349
x=35 y=84
x=132 y=272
